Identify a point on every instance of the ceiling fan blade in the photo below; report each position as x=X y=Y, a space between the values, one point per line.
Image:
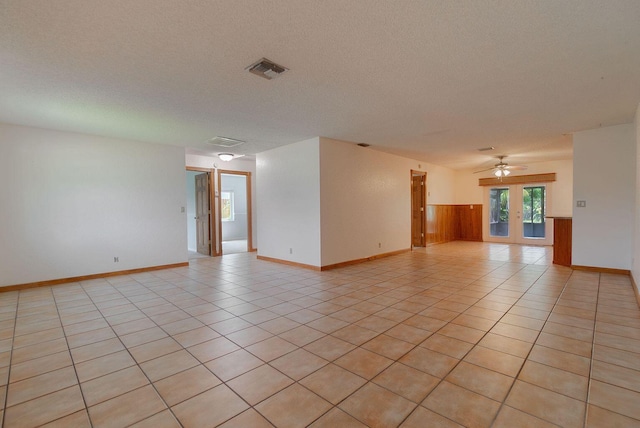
x=515 y=167
x=483 y=170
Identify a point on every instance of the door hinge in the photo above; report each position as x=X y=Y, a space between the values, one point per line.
x=422 y=183
x=421 y=208
x=422 y=234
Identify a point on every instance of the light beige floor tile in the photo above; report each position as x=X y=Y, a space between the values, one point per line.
x=329 y=347
x=461 y=405
x=551 y=378
x=248 y=418
x=333 y=383
x=299 y=364
x=615 y=399
x=364 y=363
x=109 y=386
x=483 y=381
x=45 y=409
x=38 y=386
x=377 y=407
x=407 y=382
x=428 y=361
x=234 y=364
x=293 y=407
x=127 y=409
x=77 y=420
x=598 y=417
x=494 y=360
x=37 y=366
x=337 y=418
x=168 y=365
x=447 y=345
x=258 y=384
x=547 y=405
x=164 y=419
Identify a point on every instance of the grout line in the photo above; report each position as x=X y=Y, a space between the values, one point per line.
x=593 y=346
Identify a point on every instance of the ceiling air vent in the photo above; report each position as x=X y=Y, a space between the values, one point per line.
x=267 y=69
x=225 y=142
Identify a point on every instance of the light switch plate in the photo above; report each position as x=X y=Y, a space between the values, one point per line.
x=581 y=204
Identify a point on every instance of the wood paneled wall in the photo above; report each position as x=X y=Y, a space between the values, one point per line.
x=454 y=223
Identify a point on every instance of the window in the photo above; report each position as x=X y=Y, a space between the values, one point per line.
x=226 y=201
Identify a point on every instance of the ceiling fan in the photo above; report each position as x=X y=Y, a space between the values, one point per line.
x=502 y=169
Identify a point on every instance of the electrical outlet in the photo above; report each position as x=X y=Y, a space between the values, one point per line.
x=290 y=250
x=379 y=244
x=116 y=259
x=581 y=204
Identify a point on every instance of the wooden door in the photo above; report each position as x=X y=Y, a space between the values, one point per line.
x=418 y=209
x=203 y=211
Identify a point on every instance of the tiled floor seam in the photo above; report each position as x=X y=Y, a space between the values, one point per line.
x=593 y=345
x=526 y=358
x=138 y=365
x=6 y=395
x=476 y=344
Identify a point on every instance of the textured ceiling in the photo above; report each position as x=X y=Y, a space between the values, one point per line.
x=432 y=80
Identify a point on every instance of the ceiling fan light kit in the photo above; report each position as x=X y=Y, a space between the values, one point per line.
x=502 y=169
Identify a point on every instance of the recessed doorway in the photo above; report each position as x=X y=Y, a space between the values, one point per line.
x=234 y=208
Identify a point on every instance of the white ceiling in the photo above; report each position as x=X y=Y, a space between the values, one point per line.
x=432 y=80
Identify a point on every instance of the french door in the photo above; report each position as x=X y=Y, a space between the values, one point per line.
x=516 y=214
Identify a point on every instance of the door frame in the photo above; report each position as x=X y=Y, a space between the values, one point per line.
x=218 y=207
x=516 y=235
x=212 y=231
x=423 y=217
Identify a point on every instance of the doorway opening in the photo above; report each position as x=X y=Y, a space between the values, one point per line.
x=200 y=230
x=418 y=208
x=234 y=211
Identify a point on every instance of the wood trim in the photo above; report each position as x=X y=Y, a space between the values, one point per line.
x=518 y=179
x=447 y=223
x=635 y=288
x=366 y=259
x=335 y=265
x=562 y=241
x=51 y=282
x=247 y=174
x=289 y=263
x=601 y=270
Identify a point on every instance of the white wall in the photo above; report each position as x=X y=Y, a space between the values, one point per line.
x=365 y=200
x=240 y=164
x=70 y=203
x=332 y=201
x=604 y=175
x=468 y=191
x=236 y=228
x=288 y=193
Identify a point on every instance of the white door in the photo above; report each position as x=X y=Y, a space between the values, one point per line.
x=516 y=214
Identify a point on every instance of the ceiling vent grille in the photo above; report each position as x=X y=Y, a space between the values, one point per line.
x=266 y=69
x=225 y=142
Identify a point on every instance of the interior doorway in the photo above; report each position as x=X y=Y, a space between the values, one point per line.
x=234 y=211
x=418 y=208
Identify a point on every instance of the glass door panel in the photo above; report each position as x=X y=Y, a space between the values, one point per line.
x=533 y=212
x=499 y=212
x=516 y=214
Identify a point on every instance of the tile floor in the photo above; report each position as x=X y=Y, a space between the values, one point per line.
x=459 y=334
